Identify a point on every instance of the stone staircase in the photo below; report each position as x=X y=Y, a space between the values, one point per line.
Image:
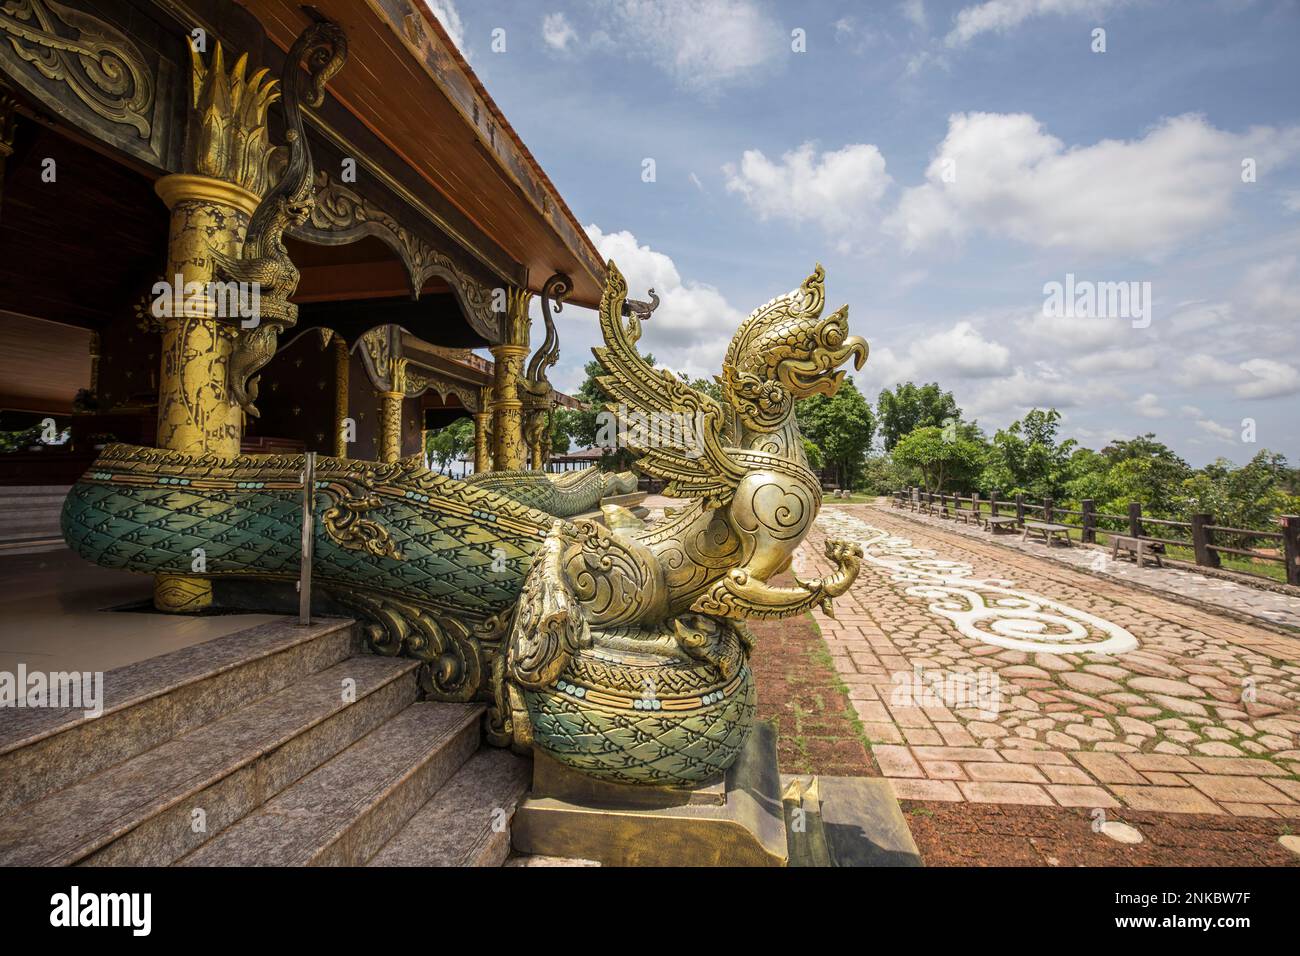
x=275 y=745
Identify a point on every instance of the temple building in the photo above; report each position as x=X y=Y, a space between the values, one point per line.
x=250 y=253
x=137 y=140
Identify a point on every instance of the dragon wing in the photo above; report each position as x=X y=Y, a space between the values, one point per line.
x=689 y=453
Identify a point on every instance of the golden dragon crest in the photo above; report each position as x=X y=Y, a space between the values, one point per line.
x=631 y=635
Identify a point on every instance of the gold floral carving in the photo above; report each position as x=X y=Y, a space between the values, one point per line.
x=101 y=66
x=227 y=135
x=346 y=526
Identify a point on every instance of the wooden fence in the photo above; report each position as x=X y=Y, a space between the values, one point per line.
x=1206 y=543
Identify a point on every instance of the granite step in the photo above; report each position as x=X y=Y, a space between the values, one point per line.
x=151 y=702
x=159 y=805
x=29 y=517
x=343 y=812
x=467 y=822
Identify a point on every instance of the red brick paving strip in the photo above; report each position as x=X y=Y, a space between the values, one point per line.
x=799 y=688
x=978 y=834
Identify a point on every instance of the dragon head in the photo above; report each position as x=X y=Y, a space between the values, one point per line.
x=786 y=351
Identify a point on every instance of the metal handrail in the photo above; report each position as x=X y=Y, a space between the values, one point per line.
x=308 y=537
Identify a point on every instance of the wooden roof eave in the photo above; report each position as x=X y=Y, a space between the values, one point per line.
x=409 y=85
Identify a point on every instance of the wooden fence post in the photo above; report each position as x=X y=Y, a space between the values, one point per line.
x=975 y=505
x=1089 y=519
x=1020 y=510
x=1135 y=519
x=1047 y=510
x=1291 y=547
x=1202 y=541
x=993 y=502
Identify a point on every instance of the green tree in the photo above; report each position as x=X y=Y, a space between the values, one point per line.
x=937 y=455
x=447 y=444
x=1248 y=497
x=1025 y=457
x=882 y=475
x=841 y=426
x=906 y=408
x=584 y=425
x=562 y=425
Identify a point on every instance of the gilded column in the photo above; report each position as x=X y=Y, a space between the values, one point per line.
x=342 y=363
x=509 y=453
x=390 y=423
x=483 y=432
x=390 y=411
x=211 y=203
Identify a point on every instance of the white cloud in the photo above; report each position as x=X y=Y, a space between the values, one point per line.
x=837 y=189
x=1191 y=317
x=694 y=322
x=1199 y=370
x=999 y=16
x=445 y=12
x=1113 y=361
x=960 y=351
x=914 y=11
x=1272 y=290
x=1254 y=378
x=1148 y=406
x=703 y=45
x=1291 y=200
x=1011 y=178
x=1269 y=379
x=1215 y=430
x=1085 y=334
x=1039 y=386
x=557 y=31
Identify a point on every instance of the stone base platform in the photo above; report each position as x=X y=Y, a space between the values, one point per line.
x=741 y=819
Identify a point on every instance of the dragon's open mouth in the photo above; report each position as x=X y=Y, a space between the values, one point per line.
x=820 y=372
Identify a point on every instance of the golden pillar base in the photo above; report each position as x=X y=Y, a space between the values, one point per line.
x=174 y=594
x=734 y=821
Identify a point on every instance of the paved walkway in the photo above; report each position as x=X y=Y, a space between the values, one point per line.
x=1240 y=599
x=990 y=675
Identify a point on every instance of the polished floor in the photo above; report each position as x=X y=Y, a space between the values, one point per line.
x=57 y=613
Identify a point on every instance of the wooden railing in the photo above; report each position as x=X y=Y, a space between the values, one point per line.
x=1206 y=542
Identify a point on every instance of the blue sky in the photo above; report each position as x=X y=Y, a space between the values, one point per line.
x=944 y=161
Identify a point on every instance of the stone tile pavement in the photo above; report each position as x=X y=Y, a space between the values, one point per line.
x=1240 y=599
x=1003 y=677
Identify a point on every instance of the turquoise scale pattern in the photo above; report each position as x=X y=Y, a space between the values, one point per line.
x=643 y=747
x=447 y=558
x=565 y=495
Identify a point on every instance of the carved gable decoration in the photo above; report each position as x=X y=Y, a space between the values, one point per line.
x=90 y=72
x=341 y=215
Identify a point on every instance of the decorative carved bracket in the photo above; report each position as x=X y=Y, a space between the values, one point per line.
x=342 y=215
x=84 y=68
x=535 y=383
x=265 y=261
x=391 y=370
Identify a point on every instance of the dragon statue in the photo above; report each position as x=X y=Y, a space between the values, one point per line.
x=615 y=647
